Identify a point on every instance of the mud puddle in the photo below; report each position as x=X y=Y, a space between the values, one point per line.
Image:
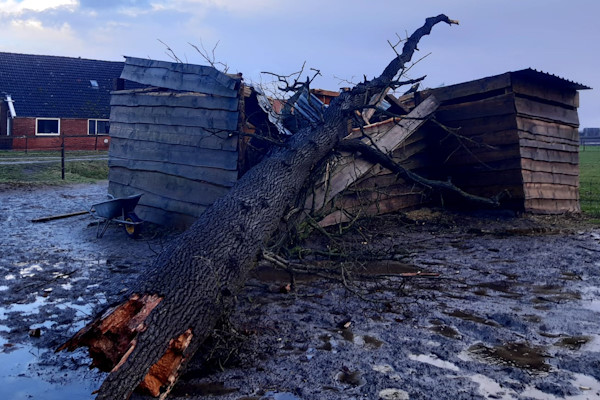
x=30 y=372
x=528 y=300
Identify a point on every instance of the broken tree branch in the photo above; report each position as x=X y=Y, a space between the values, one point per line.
x=376 y=156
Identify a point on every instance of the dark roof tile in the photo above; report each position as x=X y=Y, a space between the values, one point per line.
x=59 y=87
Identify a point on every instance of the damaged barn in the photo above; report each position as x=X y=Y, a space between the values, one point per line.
x=184 y=142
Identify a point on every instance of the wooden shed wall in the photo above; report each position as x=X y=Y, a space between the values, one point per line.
x=515 y=134
x=351 y=186
x=180 y=149
x=380 y=191
x=547 y=123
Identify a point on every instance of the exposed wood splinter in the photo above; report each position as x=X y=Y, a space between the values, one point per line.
x=163 y=374
x=111 y=338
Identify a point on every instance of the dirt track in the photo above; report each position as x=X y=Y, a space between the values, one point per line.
x=515 y=312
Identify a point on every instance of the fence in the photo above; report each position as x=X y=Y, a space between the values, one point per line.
x=58 y=142
x=74 y=158
x=589 y=179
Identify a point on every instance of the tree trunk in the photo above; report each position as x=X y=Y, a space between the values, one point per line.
x=147 y=340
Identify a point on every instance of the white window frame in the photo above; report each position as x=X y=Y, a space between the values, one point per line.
x=47 y=134
x=96 y=126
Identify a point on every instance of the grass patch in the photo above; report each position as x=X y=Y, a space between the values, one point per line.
x=45 y=168
x=589 y=180
x=12 y=154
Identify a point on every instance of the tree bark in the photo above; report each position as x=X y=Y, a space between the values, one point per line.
x=148 y=339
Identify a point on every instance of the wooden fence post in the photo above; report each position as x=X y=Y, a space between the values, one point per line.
x=62 y=158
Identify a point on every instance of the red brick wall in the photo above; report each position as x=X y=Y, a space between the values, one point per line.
x=73 y=130
x=74 y=127
x=23 y=127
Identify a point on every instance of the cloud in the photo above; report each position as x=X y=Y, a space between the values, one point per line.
x=30 y=35
x=238 y=7
x=20 y=7
x=114 y=4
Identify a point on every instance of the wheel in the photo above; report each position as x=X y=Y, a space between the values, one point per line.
x=133 y=231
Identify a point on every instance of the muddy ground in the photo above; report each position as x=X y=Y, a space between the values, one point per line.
x=504 y=307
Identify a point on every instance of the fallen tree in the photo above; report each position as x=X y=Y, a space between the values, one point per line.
x=146 y=341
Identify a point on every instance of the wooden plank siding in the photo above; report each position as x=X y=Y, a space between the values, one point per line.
x=515 y=131
x=178 y=146
x=181 y=135
x=177 y=76
x=345 y=171
x=168 y=187
x=549 y=142
x=174 y=154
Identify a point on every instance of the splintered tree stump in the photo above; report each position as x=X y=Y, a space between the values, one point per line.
x=147 y=340
x=111 y=337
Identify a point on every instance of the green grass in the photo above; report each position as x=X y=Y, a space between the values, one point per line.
x=42 y=154
x=49 y=173
x=589 y=180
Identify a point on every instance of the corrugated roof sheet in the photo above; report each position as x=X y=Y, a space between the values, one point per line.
x=530 y=73
x=59 y=87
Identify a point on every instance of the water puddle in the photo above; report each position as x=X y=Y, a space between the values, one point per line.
x=202 y=389
x=350 y=377
x=434 y=360
x=25 y=370
x=588 y=386
x=593 y=305
x=383 y=368
x=519 y=355
x=553 y=293
x=590 y=299
x=446 y=331
x=471 y=317
x=490 y=389
x=594 y=344
x=504 y=287
x=368 y=341
x=573 y=342
x=279 y=396
x=329 y=343
x=348 y=335
x=23 y=378
x=393 y=394
x=30 y=271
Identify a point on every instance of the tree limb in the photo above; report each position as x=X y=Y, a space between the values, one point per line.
x=376 y=156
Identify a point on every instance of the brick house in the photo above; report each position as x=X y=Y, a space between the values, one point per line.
x=45 y=100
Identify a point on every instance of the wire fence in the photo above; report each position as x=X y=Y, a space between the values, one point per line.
x=71 y=158
x=54 y=142
x=589 y=179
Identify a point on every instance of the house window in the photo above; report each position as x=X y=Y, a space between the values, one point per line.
x=98 y=126
x=47 y=126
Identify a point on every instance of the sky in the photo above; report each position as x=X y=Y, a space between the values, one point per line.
x=345 y=40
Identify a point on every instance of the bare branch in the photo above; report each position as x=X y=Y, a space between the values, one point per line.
x=285 y=79
x=169 y=52
x=210 y=57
